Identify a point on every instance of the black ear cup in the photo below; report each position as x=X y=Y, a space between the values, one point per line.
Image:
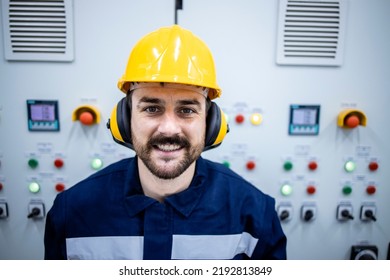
x=216 y=127
x=119 y=123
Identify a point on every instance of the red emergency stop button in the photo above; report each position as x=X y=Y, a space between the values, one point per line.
x=59 y=163
x=371 y=190
x=86 y=118
x=87 y=115
x=250 y=165
x=352 y=121
x=240 y=118
x=373 y=166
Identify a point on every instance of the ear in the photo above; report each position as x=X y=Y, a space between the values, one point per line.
x=216 y=127
x=120 y=124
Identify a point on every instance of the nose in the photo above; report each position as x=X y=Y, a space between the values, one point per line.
x=169 y=124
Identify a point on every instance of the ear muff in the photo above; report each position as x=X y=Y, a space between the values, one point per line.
x=119 y=123
x=216 y=127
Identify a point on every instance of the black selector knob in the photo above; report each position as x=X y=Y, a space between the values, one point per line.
x=34 y=212
x=308 y=215
x=346 y=214
x=370 y=214
x=284 y=215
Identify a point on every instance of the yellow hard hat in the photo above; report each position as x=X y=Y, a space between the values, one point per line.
x=172 y=55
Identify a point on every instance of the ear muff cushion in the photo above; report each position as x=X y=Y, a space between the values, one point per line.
x=120 y=123
x=216 y=126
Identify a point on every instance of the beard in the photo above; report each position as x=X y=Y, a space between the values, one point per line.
x=167 y=170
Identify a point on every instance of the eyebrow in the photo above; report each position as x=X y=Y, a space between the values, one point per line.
x=153 y=100
x=150 y=100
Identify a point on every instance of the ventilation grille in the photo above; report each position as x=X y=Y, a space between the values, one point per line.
x=38 y=30
x=311 y=32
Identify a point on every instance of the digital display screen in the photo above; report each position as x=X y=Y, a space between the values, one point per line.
x=304 y=120
x=304 y=116
x=42 y=112
x=43 y=115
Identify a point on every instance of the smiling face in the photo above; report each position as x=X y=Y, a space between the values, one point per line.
x=168 y=127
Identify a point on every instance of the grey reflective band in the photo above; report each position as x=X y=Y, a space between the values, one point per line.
x=183 y=247
x=222 y=247
x=105 y=248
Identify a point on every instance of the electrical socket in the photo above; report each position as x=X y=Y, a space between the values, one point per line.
x=285 y=212
x=365 y=209
x=344 y=207
x=308 y=212
x=32 y=207
x=3 y=210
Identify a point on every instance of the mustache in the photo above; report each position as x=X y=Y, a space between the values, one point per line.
x=172 y=140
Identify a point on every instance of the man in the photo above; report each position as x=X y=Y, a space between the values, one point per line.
x=167 y=202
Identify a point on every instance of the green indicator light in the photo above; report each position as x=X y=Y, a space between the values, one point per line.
x=96 y=163
x=33 y=163
x=288 y=165
x=34 y=187
x=226 y=164
x=350 y=166
x=347 y=190
x=286 y=189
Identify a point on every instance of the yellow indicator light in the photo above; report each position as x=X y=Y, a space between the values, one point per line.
x=96 y=163
x=34 y=187
x=350 y=166
x=256 y=119
x=286 y=190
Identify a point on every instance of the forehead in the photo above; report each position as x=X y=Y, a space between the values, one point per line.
x=160 y=92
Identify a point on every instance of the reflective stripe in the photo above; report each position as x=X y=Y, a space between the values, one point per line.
x=105 y=248
x=212 y=246
x=183 y=247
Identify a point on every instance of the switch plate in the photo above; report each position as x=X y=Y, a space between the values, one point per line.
x=285 y=208
x=38 y=205
x=364 y=252
x=340 y=208
x=3 y=210
x=364 y=209
x=308 y=212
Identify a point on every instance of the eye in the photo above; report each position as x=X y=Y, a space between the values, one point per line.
x=152 y=110
x=187 y=111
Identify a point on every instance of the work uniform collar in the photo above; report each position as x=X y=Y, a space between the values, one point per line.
x=183 y=202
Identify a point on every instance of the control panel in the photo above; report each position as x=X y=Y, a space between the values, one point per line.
x=313 y=137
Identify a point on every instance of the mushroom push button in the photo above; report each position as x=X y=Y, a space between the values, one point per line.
x=351 y=118
x=87 y=115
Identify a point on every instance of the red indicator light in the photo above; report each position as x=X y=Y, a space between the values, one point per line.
x=240 y=118
x=373 y=166
x=311 y=189
x=312 y=165
x=60 y=187
x=58 y=163
x=371 y=190
x=250 y=165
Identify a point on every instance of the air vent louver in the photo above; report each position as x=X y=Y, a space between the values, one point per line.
x=38 y=30
x=311 y=32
